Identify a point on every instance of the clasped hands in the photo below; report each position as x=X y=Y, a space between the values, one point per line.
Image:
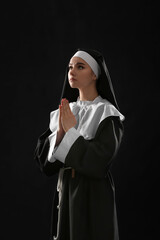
x=67 y=119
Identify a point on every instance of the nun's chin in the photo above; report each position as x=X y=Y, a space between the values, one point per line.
x=72 y=84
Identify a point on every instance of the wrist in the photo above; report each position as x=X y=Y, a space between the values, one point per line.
x=60 y=135
x=67 y=129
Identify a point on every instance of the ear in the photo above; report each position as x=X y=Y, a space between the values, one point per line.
x=94 y=77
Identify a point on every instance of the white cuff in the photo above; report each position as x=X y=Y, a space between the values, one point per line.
x=52 y=140
x=69 y=138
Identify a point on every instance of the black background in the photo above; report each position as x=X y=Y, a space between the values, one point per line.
x=37 y=41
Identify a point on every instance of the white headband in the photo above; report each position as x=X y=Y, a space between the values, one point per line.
x=90 y=60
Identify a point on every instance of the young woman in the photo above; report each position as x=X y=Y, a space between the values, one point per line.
x=82 y=140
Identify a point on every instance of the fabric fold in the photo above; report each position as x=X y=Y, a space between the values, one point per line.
x=52 y=141
x=63 y=148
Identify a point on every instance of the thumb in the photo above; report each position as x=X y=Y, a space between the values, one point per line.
x=60 y=111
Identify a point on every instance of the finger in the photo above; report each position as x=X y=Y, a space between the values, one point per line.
x=60 y=113
x=62 y=101
x=68 y=109
x=63 y=111
x=65 y=106
x=66 y=103
x=60 y=110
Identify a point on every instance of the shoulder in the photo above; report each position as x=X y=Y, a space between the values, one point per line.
x=111 y=126
x=107 y=109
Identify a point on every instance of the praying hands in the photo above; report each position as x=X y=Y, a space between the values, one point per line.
x=67 y=120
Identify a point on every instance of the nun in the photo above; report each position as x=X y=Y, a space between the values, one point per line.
x=80 y=144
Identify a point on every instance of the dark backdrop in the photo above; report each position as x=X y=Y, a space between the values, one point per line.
x=37 y=41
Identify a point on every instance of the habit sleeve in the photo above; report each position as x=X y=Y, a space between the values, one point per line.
x=93 y=157
x=68 y=140
x=41 y=155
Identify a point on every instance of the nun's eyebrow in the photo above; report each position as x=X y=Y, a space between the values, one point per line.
x=78 y=63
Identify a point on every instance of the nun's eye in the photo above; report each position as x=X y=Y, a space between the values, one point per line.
x=80 y=67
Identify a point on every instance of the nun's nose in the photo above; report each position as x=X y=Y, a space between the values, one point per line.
x=72 y=71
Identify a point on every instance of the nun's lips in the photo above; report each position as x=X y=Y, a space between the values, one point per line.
x=72 y=79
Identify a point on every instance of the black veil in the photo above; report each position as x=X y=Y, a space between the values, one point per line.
x=104 y=84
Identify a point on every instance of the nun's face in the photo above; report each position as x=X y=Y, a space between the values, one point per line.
x=80 y=74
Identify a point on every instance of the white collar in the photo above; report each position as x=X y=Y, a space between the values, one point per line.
x=86 y=103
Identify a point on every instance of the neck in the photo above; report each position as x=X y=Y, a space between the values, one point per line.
x=88 y=95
